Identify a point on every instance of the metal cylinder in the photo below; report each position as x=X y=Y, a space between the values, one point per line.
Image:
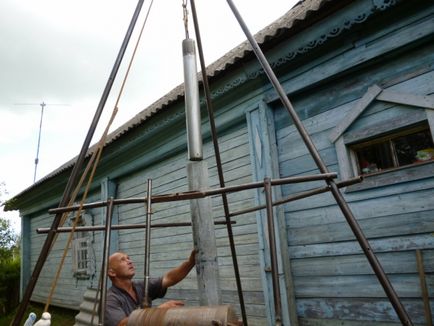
x=192 y=106
x=184 y=316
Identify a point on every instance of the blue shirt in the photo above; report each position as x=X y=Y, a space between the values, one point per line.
x=120 y=304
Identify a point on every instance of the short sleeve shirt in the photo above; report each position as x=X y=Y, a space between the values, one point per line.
x=120 y=304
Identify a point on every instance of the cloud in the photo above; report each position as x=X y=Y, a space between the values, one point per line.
x=62 y=52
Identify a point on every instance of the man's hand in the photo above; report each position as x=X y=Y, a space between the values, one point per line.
x=172 y=304
x=177 y=274
x=192 y=258
x=123 y=322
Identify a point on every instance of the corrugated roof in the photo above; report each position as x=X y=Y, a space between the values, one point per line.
x=299 y=13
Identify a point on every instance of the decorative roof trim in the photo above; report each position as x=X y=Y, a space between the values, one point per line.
x=301 y=12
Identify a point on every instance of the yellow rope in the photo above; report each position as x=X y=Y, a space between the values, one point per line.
x=98 y=153
x=95 y=158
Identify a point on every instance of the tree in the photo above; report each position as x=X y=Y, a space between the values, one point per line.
x=8 y=238
x=9 y=262
x=8 y=241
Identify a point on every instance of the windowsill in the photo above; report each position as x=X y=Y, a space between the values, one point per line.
x=394 y=176
x=82 y=276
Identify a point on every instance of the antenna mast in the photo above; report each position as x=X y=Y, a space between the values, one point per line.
x=39 y=140
x=43 y=105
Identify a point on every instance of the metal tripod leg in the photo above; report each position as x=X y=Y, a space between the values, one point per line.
x=375 y=264
x=73 y=179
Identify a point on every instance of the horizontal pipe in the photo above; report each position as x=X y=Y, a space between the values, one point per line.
x=120 y=227
x=198 y=194
x=300 y=195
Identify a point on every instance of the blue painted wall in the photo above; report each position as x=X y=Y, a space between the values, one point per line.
x=333 y=280
x=325 y=66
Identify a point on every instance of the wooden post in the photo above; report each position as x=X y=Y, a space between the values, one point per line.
x=423 y=287
x=204 y=236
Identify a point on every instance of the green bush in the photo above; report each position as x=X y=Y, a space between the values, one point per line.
x=9 y=285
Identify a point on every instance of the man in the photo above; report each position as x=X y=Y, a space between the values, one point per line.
x=126 y=295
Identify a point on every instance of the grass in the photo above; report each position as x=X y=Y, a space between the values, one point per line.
x=59 y=316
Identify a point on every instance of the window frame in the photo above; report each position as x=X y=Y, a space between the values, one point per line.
x=387 y=139
x=80 y=238
x=344 y=139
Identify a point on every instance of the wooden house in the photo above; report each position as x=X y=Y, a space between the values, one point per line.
x=360 y=75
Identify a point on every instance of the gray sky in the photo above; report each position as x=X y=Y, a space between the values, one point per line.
x=62 y=52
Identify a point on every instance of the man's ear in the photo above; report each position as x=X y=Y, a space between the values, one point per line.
x=111 y=272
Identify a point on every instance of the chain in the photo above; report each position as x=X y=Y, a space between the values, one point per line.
x=185 y=17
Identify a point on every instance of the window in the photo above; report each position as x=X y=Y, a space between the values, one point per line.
x=82 y=252
x=81 y=257
x=386 y=136
x=412 y=146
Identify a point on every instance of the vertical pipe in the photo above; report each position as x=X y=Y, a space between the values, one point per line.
x=423 y=287
x=105 y=260
x=74 y=177
x=210 y=110
x=192 y=106
x=146 y=300
x=375 y=264
x=273 y=251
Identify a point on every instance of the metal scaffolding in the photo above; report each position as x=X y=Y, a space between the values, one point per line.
x=330 y=186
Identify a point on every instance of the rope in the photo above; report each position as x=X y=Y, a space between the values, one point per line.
x=93 y=162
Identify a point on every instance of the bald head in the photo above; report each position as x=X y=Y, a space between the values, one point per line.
x=120 y=267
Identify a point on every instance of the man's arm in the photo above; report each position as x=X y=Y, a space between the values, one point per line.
x=177 y=274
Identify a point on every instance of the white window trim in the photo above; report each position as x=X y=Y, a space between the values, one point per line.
x=77 y=260
x=346 y=157
x=77 y=248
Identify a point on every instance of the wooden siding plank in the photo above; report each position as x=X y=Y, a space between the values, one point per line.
x=375 y=227
x=392 y=263
x=356 y=311
x=340 y=322
x=300 y=214
x=305 y=163
x=386 y=244
x=359 y=286
x=407 y=99
x=366 y=99
x=406 y=176
x=383 y=122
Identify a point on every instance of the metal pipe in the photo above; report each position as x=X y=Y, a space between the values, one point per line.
x=146 y=300
x=192 y=106
x=300 y=195
x=375 y=264
x=213 y=128
x=74 y=177
x=273 y=252
x=105 y=261
x=202 y=315
x=423 y=287
x=196 y=194
x=121 y=227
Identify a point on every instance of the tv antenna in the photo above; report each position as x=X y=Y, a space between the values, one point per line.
x=43 y=105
